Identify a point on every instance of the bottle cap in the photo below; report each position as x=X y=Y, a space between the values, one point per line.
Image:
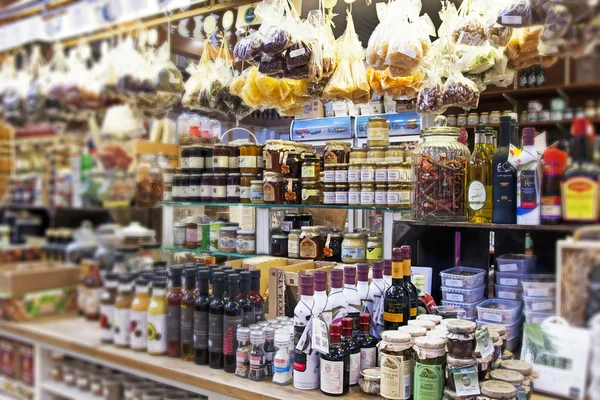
x=255 y=273
x=363 y=272
x=160 y=264
x=350 y=275
x=337 y=278
x=580 y=126
x=141 y=281
x=505 y=119
x=218 y=276
x=347 y=323
x=202 y=274
x=159 y=283
x=377 y=269
x=528 y=136
x=233 y=278
x=243 y=334
x=320 y=278
x=406 y=252
x=365 y=319
x=245 y=276
x=307 y=285
x=335 y=330
x=111 y=276
x=397 y=255
x=201 y=265
x=555 y=156
x=387 y=267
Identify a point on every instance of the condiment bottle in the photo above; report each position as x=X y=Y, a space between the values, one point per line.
x=93 y=285
x=245 y=300
x=282 y=373
x=139 y=315
x=306 y=366
x=174 y=313
x=259 y=302
x=107 y=307
x=201 y=307
x=257 y=356
x=215 y=322
x=335 y=366
x=363 y=287
x=123 y=312
x=555 y=162
x=187 y=315
x=352 y=297
x=350 y=345
x=233 y=316
x=529 y=182
x=157 y=318
x=367 y=343
x=242 y=354
x=337 y=304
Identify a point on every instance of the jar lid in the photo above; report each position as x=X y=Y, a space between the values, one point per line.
x=441 y=128
x=257 y=182
x=361 y=149
x=233 y=174
x=355 y=185
x=150 y=246
x=499 y=329
x=430 y=343
x=245 y=232
x=430 y=317
x=368 y=164
x=524 y=368
x=221 y=145
x=230 y=228
x=396 y=337
x=354 y=235
x=438 y=334
x=381 y=164
x=506 y=375
x=295 y=231
x=423 y=323
x=371 y=374
x=461 y=326
x=498 y=389
x=220 y=175
x=179 y=224
x=374 y=238
x=279 y=237
x=377 y=148
x=460 y=362
x=356 y=163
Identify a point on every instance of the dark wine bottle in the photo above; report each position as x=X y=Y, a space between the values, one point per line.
x=396 y=301
x=335 y=366
x=215 y=322
x=245 y=300
x=413 y=293
x=174 y=313
x=201 y=310
x=504 y=179
x=352 y=348
x=367 y=343
x=233 y=317
x=187 y=314
x=259 y=302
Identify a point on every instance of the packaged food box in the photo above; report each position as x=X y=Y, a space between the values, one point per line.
x=463 y=295
x=499 y=311
x=470 y=308
x=538 y=304
x=509 y=279
x=532 y=317
x=539 y=285
x=463 y=277
x=509 y=292
x=516 y=263
x=511 y=329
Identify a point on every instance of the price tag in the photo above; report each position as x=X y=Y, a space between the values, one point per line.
x=484 y=342
x=320 y=336
x=521 y=394
x=466 y=381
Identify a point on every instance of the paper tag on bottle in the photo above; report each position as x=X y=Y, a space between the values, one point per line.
x=513 y=155
x=304 y=343
x=466 y=381
x=320 y=335
x=484 y=342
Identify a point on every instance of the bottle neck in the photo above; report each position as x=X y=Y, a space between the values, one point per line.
x=203 y=287
x=233 y=290
x=505 y=132
x=157 y=292
x=349 y=286
x=397 y=270
x=334 y=339
x=579 y=153
x=142 y=291
x=479 y=138
x=245 y=288
x=346 y=333
x=335 y=290
x=218 y=289
x=365 y=328
x=306 y=298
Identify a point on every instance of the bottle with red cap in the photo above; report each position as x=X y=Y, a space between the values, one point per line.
x=352 y=348
x=555 y=162
x=579 y=183
x=413 y=293
x=396 y=302
x=367 y=343
x=529 y=183
x=335 y=366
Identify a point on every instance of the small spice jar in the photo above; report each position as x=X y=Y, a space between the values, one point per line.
x=354 y=170
x=220 y=158
x=311 y=243
x=461 y=338
x=273 y=188
x=245 y=242
x=248 y=162
x=354 y=248
x=341 y=194
x=381 y=194
x=234 y=159
x=294 y=243
x=233 y=188
x=311 y=168
x=376 y=154
x=219 y=188
x=367 y=194
x=367 y=172
x=429 y=372
x=369 y=380
x=310 y=192
x=454 y=364
x=341 y=173
x=329 y=173
x=358 y=154
x=381 y=170
x=291 y=165
x=292 y=191
x=242 y=354
x=227 y=237
x=245 y=184
x=256 y=192
x=279 y=245
x=354 y=191
x=179 y=229
x=329 y=194
x=206 y=188
x=396 y=364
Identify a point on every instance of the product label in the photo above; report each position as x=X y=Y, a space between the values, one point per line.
x=378 y=133
x=121 y=336
x=191 y=235
x=215 y=332
x=393 y=317
x=466 y=381
x=184 y=192
x=281 y=364
x=293 y=247
x=308 y=171
x=208 y=164
x=454 y=297
x=201 y=329
x=354 y=368
x=219 y=192
x=528 y=193
x=341 y=176
x=247 y=162
x=332 y=376
x=393 y=198
x=308 y=193
x=254 y=194
x=381 y=175
x=157 y=333
x=256 y=362
x=329 y=198
x=509 y=282
x=367 y=197
x=404 y=197
x=491 y=317
x=551 y=208
x=329 y=176
x=381 y=198
x=233 y=190
x=269 y=192
x=374 y=253
x=353 y=198
x=245 y=192
x=542 y=306
x=354 y=253
x=429 y=381
x=368 y=357
x=194 y=191
x=308 y=248
x=507 y=295
x=187 y=325
x=545 y=292
x=580 y=199
x=227 y=243
x=476 y=195
x=137 y=330
x=242 y=357
x=230 y=326
x=341 y=197
x=508 y=267
x=353 y=176
x=107 y=318
x=393 y=175
x=92 y=302
x=206 y=191
x=233 y=163
x=396 y=377
x=185 y=162
x=511 y=20
x=196 y=162
x=484 y=342
x=174 y=324
x=245 y=246
x=367 y=175
x=268 y=161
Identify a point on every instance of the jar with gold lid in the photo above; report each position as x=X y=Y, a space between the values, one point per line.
x=381 y=169
x=393 y=171
x=367 y=194
x=354 y=248
x=336 y=152
x=329 y=193
x=354 y=171
x=367 y=172
x=376 y=154
x=354 y=194
x=380 y=194
x=341 y=194
x=358 y=154
x=393 y=195
x=378 y=132
x=374 y=248
x=395 y=152
x=248 y=160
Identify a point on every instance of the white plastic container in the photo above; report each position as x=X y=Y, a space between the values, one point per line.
x=470 y=308
x=509 y=279
x=532 y=317
x=463 y=295
x=499 y=311
x=512 y=330
x=462 y=277
x=509 y=292
x=539 y=286
x=540 y=304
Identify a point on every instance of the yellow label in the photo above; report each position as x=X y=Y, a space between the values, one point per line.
x=580 y=199
x=413 y=312
x=407 y=270
x=375 y=253
x=397 y=270
x=390 y=317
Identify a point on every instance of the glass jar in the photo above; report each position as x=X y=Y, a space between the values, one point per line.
x=245 y=242
x=233 y=188
x=329 y=194
x=248 y=161
x=461 y=120
x=336 y=152
x=279 y=245
x=369 y=381
x=184 y=188
x=396 y=364
x=260 y=159
x=367 y=194
x=311 y=243
x=245 y=183
x=395 y=153
x=405 y=194
x=311 y=168
x=378 y=132
x=451 y=119
x=367 y=172
x=354 y=170
x=176 y=188
x=376 y=154
x=148 y=181
x=429 y=372
x=208 y=158
x=271 y=155
x=393 y=195
x=354 y=248
x=332 y=248
x=257 y=191
x=441 y=195
x=195 y=188
x=291 y=165
x=310 y=192
x=273 y=188
x=227 y=235
x=354 y=194
x=374 y=249
x=185 y=159
x=381 y=169
x=461 y=338
x=484 y=118
x=219 y=188
x=495 y=117
x=292 y=191
x=179 y=234
x=456 y=363
x=220 y=158
x=191 y=234
x=472 y=119
x=341 y=173
x=341 y=194
x=234 y=159
x=358 y=154
x=168 y=174
x=329 y=173
x=206 y=188
x=294 y=243
x=392 y=174
x=291 y=221
x=380 y=194
x=306 y=219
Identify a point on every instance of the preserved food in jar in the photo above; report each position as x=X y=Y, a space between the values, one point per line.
x=396 y=365
x=185 y=159
x=196 y=160
x=341 y=173
x=374 y=249
x=311 y=243
x=260 y=159
x=245 y=242
x=381 y=170
x=336 y=152
x=257 y=194
x=393 y=196
x=430 y=353
x=354 y=248
x=273 y=188
x=291 y=165
x=393 y=172
x=245 y=183
x=291 y=221
x=294 y=243
x=354 y=172
x=310 y=192
x=206 y=188
x=378 y=132
x=208 y=158
x=455 y=363
x=358 y=154
x=461 y=338
x=234 y=158
x=227 y=237
x=292 y=191
x=405 y=195
x=440 y=174
x=279 y=245
x=220 y=158
x=329 y=173
x=176 y=188
x=219 y=188
x=195 y=188
x=329 y=194
x=184 y=189
x=248 y=161
x=271 y=155
x=367 y=194
x=376 y=154
x=367 y=172
x=233 y=188
x=191 y=234
x=341 y=194
x=149 y=184
x=380 y=194
x=306 y=219
x=395 y=153
x=332 y=248
x=354 y=194
x=311 y=168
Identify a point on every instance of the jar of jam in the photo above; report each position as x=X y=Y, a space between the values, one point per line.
x=306 y=220
x=354 y=171
x=367 y=194
x=184 y=189
x=208 y=158
x=311 y=168
x=329 y=173
x=233 y=188
x=220 y=158
x=393 y=195
x=279 y=245
x=271 y=155
x=341 y=173
x=336 y=152
x=257 y=192
x=329 y=194
x=332 y=248
x=290 y=222
x=206 y=187
x=195 y=188
x=395 y=153
x=381 y=169
x=248 y=161
x=294 y=243
x=219 y=188
x=381 y=194
x=185 y=159
x=292 y=191
x=367 y=172
x=260 y=159
x=234 y=155
x=196 y=160
x=358 y=154
x=176 y=189
x=354 y=194
x=291 y=164
x=378 y=132
x=273 y=188
x=310 y=192
x=245 y=183
x=461 y=338
x=311 y=243
x=376 y=154
x=457 y=363
x=341 y=194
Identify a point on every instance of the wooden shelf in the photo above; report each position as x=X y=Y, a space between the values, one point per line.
x=69 y=392
x=542 y=124
x=492 y=227
x=544 y=91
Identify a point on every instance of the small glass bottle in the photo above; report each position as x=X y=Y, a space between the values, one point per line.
x=139 y=315
x=242 y=354
x=107 y=307
x=257 y=356
x=187 y=315
x=157 y=318
x=123 y=312
x=282 y=372
x=269 y=349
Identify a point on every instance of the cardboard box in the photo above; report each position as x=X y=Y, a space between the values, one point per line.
x=23 y=278
x=313 y=109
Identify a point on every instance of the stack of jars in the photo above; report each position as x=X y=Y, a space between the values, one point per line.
x=219 y=174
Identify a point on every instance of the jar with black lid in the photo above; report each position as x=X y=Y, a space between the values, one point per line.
x=290 y=222
x=234 y=155
x=206 y=188
x=220 y=158
x=279 y=245
x=185 y=159
x=196 y=160
x=291 y=164
x=233 y=188
x=306 y=220
x=329 y=194
x=341 y=194
x=332 y=249
x=219 y=188
x=208 y=158
x=292 y=191
x=184 y=189
x=195 y=187
x=176 y=190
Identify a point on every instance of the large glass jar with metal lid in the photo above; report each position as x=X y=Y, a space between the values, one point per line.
x=336 y=152
x=149 y=184
x=440 y=168
x=311 y=243
x=378 y=132
x=354 y=248
x=220 y=158
x=248 y=160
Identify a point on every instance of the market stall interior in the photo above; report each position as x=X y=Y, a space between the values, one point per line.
x=225 y=200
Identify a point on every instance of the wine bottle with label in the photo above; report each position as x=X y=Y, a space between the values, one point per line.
x=335 y=366
x=479 y=191
x=201 y=308
x=215 y=322
x=504 y=179
x=413 y=293
x=367 y=343
x=396 y=302
x=352 y=296
x=352 y=347
x=233 y=317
